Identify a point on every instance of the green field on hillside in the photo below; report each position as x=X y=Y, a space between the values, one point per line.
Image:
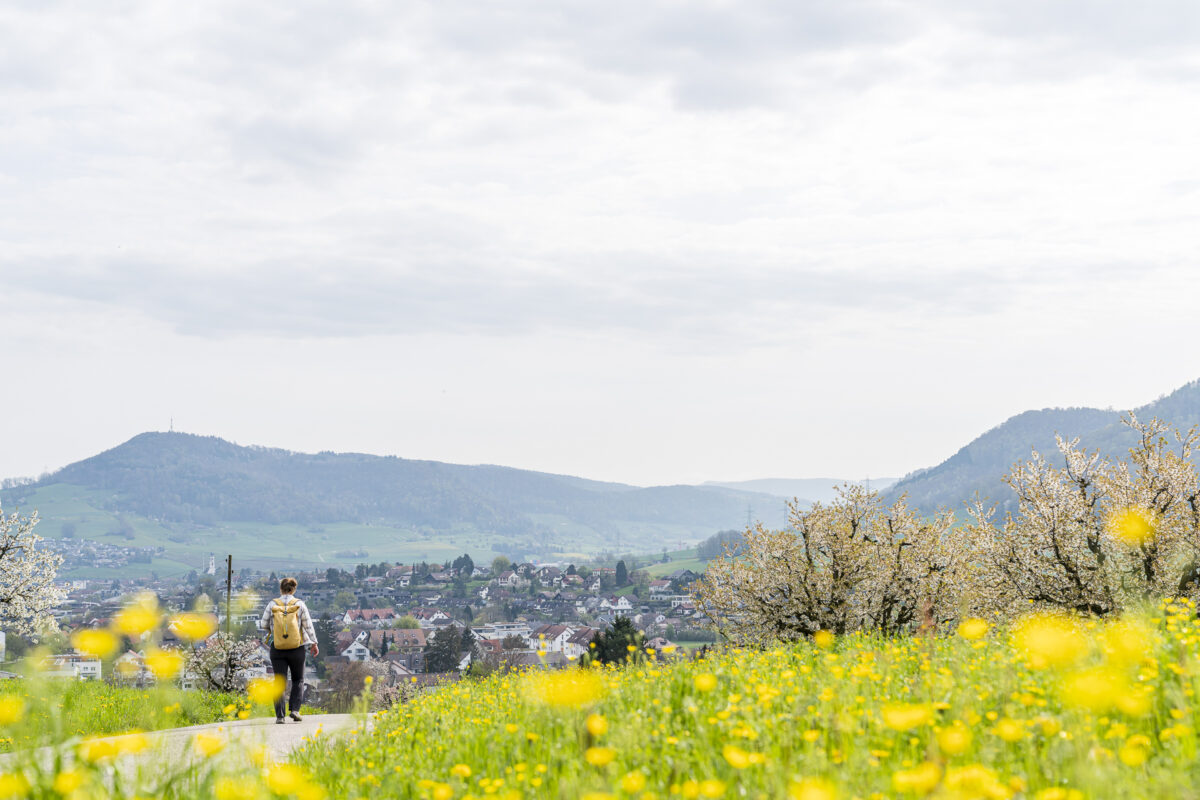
x=253 y=544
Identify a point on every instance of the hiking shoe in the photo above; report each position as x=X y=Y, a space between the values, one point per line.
x=279 y=720
x=296 y=716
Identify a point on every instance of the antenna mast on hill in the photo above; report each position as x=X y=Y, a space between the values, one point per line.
x=749 y=515
x=172 y=425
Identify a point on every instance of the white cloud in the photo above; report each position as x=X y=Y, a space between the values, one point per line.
x=688 y=199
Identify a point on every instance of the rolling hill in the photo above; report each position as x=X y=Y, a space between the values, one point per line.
x=980 y=466
x=196 y=494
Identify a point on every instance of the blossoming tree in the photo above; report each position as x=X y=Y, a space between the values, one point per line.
x=852 y=564
x=1094 y=535
x=27 y=572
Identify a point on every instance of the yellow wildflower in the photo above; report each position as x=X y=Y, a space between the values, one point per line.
x=906 y=716
x=208 y=744
x=1136 y=750
x=164 y=663
x=265 y=691
x=633 y=782
x=954 y=740
x=599 y=756
x=138 y=617
x=67 y=781
x=12 y=709
x=920 y=780
x=812 y=789
x=1009 y=730
x=1049 y=640
x=1096 y=689
x=194 y=625
x=574 y=688
x=972 y=629
x=1133 y=526
x=596 y=725
x=98 y=643
x=736 y=756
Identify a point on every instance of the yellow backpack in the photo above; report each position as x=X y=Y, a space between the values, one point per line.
x=285 y=625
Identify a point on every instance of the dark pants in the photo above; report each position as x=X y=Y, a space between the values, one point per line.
x=282 y=662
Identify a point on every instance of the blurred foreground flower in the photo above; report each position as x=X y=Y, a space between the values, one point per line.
x=98 y=643
x=12 y=709
x=566 y=689
x=164 y=663
x=906 y=716
x=972 y=629
x=1048 y=640
x=138 y=617
x=194 y=626
x=288 y=779
x=1133 y=526
x=265 y=691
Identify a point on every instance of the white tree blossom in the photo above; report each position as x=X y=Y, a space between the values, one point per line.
x=221 y=663
x=1093 y=535
x=849 y=565
x=27 y=572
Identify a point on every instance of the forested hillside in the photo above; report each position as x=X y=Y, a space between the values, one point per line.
x=980 y=466
x=196 y=480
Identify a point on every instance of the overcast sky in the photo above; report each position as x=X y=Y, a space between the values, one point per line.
x=648 y=242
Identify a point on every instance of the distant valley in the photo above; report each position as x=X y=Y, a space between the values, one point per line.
x=162 y=502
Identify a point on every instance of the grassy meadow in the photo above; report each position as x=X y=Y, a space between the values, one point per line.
x=1051 y=709
x=40 y=712
x=1071 y=710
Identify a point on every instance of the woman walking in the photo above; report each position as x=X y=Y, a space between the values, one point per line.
x=290 y=627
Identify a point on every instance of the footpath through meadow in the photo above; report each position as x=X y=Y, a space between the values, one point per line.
x=280 y=740
x=178 y=745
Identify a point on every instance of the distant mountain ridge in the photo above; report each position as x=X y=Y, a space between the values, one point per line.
x=204 y=480
x=980 y=466
x=806 y=490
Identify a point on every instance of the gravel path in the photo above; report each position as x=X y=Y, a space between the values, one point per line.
x=174 y=744
x=280 y=740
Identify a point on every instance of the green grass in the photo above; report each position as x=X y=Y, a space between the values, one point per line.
x=879 y=717
x=57 y=709
x=694 y=564
x=253 y=544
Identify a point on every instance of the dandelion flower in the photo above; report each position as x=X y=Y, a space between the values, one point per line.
x=98 y=643
x=1049 y=640
x=193 y=625
x=599 y=756
x=972 y=629
x=1133 y=526
x=906 y=716
x=812 y=789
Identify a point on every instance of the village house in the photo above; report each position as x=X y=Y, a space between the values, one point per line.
x=71 y=665
x=375 y=617
x=356 y=651
x=659 y=589
x=577 y=643
x=429 y=617
x=550 y=638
